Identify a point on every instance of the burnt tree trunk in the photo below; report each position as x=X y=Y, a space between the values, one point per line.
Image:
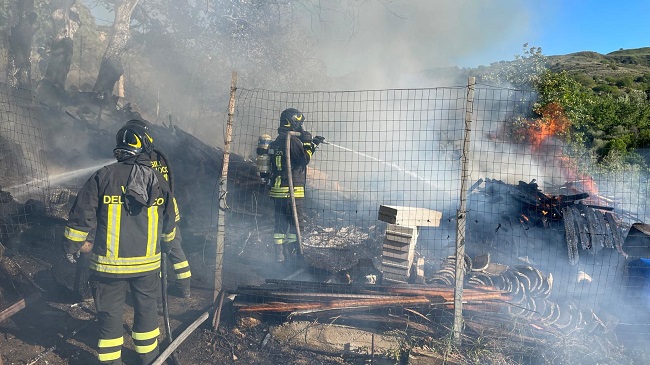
x=19 y=68
x=66 y=19
x=111 y=67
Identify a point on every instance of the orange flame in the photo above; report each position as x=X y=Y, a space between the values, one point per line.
x=552 y=123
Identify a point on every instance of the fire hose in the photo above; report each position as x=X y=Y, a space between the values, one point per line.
x=318 y=140
x=292 y=194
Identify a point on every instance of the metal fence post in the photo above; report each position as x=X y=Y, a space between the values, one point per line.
x=223 y=190
x=461 y=215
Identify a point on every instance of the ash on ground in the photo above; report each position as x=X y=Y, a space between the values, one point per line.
x=339 y=249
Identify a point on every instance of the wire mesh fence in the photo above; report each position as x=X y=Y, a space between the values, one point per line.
x=545 y=234
x=23 y=173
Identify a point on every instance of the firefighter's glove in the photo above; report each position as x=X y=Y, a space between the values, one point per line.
x=72 y=257
x=318 y=140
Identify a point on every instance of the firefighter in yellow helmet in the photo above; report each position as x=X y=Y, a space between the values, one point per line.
x=301 y=149
x=131 y=206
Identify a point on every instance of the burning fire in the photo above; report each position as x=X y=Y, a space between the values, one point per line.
x=538 y=134
x=552 y=123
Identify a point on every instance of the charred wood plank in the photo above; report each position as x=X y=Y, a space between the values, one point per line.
x=608 y=239
x=18 y=278
x=570 y=235
x=301 y=286
x=302 y=297
x=600 y=207
x=566 y=200
x=339 y=304
x=582 y=228
x=447 y=294
x=475 y=185
x=615 y=230
x=596 y=233
x=19 y=305
x=524 y=198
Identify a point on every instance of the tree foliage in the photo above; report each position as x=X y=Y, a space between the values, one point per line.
x=523 y=72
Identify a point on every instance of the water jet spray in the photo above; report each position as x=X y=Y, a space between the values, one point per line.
x=387 y=163
x=61 y=177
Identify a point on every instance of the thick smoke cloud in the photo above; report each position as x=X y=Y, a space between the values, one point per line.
x=385 y=42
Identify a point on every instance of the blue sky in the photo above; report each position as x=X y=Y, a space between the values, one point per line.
x=596 y=25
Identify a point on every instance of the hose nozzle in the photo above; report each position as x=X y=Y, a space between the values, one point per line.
x=318 y=140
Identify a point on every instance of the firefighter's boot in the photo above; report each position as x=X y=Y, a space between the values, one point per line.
x=184 y=288
x=294 y=249
x=294 y=254
x=279 y=255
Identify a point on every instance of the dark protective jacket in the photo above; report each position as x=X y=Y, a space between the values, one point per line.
x=176 y=254
x=129 y=235
x=301 y=152
x=159 y=163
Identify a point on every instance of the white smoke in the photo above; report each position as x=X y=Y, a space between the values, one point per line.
x=387 y=43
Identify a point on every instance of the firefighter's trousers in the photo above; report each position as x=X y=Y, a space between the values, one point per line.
x=285 y=226
x=109 y=295
x=179 y=262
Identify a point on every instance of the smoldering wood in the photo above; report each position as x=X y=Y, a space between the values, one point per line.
x=323 y=299
x=447 y=294
x=301 y=297
x=444 y=294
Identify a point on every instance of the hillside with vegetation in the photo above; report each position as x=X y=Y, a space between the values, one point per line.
x=598 y=104
x=615 y=72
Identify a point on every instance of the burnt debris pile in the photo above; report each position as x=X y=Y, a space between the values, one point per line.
x=587 y=227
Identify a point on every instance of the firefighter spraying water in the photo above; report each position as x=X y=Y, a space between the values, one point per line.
x=282 y=163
